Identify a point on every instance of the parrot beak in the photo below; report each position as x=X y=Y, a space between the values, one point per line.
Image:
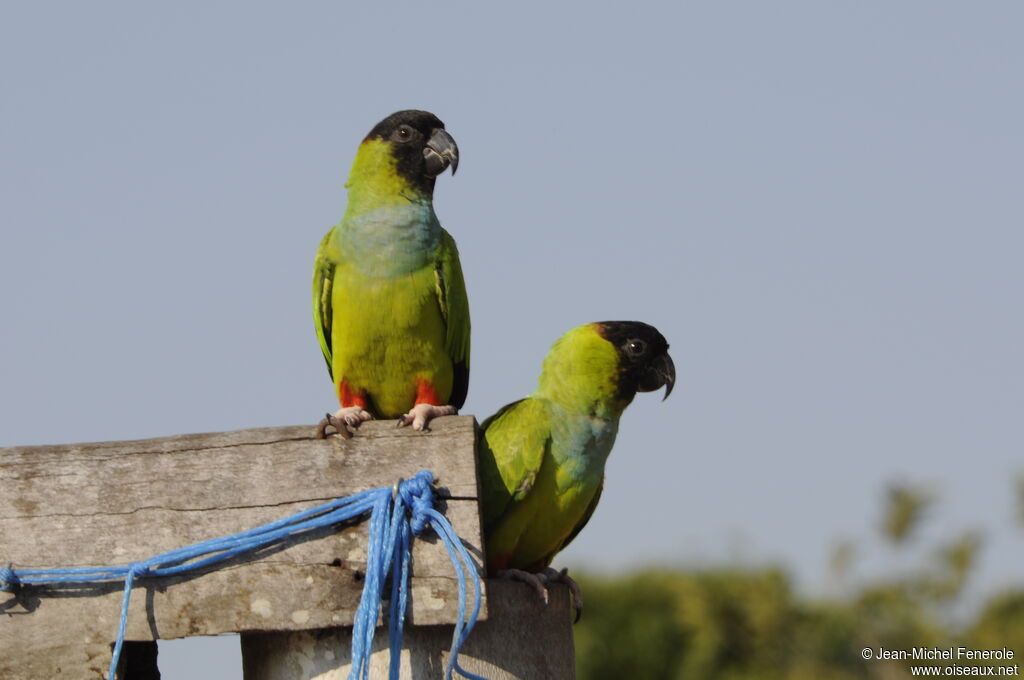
x=440 y=152
x=661 y=373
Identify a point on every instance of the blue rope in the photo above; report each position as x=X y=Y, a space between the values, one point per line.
x=396 y=515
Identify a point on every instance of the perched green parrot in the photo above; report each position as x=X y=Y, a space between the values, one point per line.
x=389 y=300
x=542 y=458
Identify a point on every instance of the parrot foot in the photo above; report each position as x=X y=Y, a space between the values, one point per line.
x=421 y=414
x=353 y=415
x=350 y=416
x=542 y=579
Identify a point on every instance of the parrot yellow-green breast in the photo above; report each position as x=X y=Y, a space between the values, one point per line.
x=542 y=458
x=389 y=300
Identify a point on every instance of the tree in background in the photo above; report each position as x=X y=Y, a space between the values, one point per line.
x=745 y=624
x=905 y=508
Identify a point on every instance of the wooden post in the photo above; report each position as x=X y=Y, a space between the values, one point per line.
x=522 y=639
x=113 y=503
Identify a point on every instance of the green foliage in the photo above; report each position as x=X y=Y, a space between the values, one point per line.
x=956 y=559
x=842 y=558
x=904 y=511
x=748 y=624
x=1001 y=623
x=729 y=624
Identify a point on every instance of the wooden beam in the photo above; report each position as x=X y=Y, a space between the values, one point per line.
x=117 y=502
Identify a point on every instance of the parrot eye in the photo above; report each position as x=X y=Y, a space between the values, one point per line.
x=636 y=347
x=402 y=134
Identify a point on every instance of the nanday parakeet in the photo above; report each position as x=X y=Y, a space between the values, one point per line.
x=542 y=458
x=389 y=300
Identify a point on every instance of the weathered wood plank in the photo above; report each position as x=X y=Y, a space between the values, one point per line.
x=523 y=639
x=116 y=502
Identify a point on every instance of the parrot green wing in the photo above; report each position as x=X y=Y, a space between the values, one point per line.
x=323 y=279
x=513 y=445
x=583 y=520
x=454 y=303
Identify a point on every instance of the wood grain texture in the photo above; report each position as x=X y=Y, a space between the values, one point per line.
x=117 y=502
x=522 y=640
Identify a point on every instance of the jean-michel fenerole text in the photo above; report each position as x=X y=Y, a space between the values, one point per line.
x=948 y=653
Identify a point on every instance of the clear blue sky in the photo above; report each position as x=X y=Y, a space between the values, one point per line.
x=819 y=204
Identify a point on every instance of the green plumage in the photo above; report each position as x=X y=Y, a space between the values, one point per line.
x=542 y=459
x=389 y=300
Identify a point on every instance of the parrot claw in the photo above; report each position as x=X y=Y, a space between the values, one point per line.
x=330 y=421
x=422 y=414
x=353 y=415
x=350 y=416
x=534 y=580
x=555 y=576
x=542 y=579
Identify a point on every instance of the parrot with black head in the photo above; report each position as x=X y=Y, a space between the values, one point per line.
x=389 y=299
x=542 y=458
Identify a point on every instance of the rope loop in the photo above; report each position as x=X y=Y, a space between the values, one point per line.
x=9 y=581
x=139 y=569
x=418 y=495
